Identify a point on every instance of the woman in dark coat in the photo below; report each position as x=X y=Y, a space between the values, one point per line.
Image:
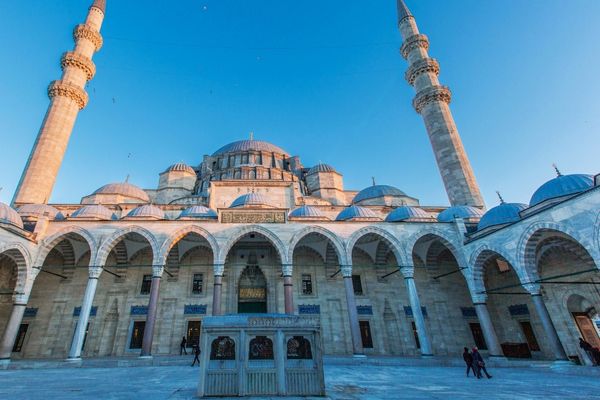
x=479 y=363
x=469 y=361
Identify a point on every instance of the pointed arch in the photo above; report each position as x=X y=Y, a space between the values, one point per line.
x=111 y=241
x=477 y=263
x=240 y=233
x=441 y=235
x=338 y=246
x=392 y=241
x=175 y=237
x=52 y=241
x=20 y=256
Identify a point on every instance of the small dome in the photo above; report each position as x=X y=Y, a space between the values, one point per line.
x=40 y=210
x=180 y=167
x=250 y=200
x=503 y=214
x=124 y=189
x=146 y=211
x=405 y=213
x=198 y=212
x=95 y=211
x=247 y=145
x=356 y=212
x=321 y=168
x=9 y=216
x=306 y=212
x=464 y=212
x=377 y=191
x=562 y=185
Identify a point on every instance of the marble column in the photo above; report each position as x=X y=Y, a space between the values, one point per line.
x=489 y=333
x=415 y=305
x=152 y=310
x=84 y=314
x=288 y=288
x=357 y=346
x=12 y=327
x=549 y=329
x=218 y=270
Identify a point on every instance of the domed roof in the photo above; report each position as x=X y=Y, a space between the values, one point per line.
x=9 y=216
x=353 y=212
x=250 y=199
x=124 y=189
x=404 y=213
x=321 y=168
x=464 y=212
x=94 y=211
x=180 y=167
x=377 y=191
x=306 y=212
x=503 y=214
x=562 y=185
x=146 y=211
x=198 y=212
x=40 y=210
x=247 y=145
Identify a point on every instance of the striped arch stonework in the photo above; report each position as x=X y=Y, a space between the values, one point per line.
x=175 y=237
x=240 y=233
x=394 y=244
x=20 y=255
x=337 y=244
x=110 y=242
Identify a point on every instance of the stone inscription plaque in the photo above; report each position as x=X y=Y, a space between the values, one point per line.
x=257 y=217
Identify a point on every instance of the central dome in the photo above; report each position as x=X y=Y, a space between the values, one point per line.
x=248 y=145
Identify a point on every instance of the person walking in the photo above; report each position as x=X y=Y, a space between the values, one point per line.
x=182 y=349
x=469 y=361
x=479 y=363
x=196 y=350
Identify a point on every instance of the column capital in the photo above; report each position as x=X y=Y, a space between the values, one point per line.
x=287 y=269
x=533 y=288
x=94 y=272
x=408 y=271
x=479 y=298
x=218 y=268
x=346 y=271
x=20 y=299
x=157 y=271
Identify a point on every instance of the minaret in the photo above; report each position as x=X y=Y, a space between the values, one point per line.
x=432 y=102
x=67 y=98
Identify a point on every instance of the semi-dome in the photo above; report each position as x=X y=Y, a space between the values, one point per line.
x=407 y=213
x=125 y=189
x=356 y=212
x=464 y=212
x=40 y=210
x=377 y=191
x=306 y=212
x=198 y=212
x=505 y=213
x=146 y=211
x=562 y=185
x=180 y=167
x=8 y=215
x=321 y=168
x=250 y=200
x=247 y=145
x=94 y=211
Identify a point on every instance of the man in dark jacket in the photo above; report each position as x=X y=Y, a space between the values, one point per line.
x=182 y=349
x=196 y=350
x=469 y=361
x=479 y=363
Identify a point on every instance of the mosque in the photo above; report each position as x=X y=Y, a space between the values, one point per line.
x=250 y=229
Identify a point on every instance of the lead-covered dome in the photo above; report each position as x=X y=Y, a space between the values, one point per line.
x=248 y=145
x=124 y=189
x=8 y=215
x=181 y=167
x=251 y=200
x=95 y=211
x=560 y=186
x=408 y=213
x=356 y=213
x=308 y=212
x=146 y=211
x=377 y=191
x=36 y=211
x=321 y=168
x=505 y=213
x=464 y=212
x=197 y=212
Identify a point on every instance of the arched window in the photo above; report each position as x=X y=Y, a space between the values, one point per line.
x=222 y=348
x=298 y=348
x=261 y=348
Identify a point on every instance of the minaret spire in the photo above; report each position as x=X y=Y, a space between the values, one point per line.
x=432 y=102
x=67 y=98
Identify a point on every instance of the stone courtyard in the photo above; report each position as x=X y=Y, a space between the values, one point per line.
x=382 y=379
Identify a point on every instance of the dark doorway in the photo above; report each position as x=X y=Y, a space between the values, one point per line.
x=478 y=335
x=529 y=336
x=193 y=333
x=20 y=338
x=365 y=334
x=137 y=334
x=252 y=294
x=415 y=334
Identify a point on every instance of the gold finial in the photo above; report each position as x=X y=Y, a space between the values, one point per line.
x=373 y=179
x=500 y=197
x=127 y=179
x=556 y=169
x=251 y=135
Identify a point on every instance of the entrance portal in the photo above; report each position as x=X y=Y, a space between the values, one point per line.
x=252 y=294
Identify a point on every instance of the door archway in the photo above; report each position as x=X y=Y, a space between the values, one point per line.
x=252 y=291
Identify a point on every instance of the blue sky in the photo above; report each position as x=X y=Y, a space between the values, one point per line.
x=322 y=79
